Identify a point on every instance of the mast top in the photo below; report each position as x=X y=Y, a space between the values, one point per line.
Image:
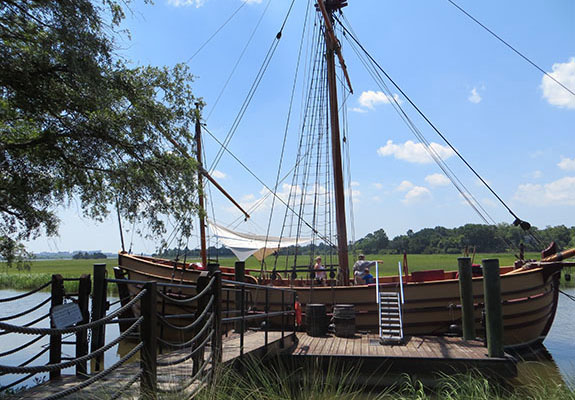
x=333 y=5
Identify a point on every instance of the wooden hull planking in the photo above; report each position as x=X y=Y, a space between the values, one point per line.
x=529 y=299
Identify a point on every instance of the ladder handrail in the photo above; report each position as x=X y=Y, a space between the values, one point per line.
x=400 y=282
x=378 y=298
x=401 y=298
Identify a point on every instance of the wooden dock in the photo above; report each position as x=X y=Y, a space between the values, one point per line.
x=168 y=377
x=418 y=355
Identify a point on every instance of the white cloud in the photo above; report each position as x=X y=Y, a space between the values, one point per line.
x=248 y=197
x=354 y=184
x=404 y=186
x=370 y=99
x=187 y=3
x=536 y=174
x=417 y=194
x=358 y=110
x=219 y=174
x=414 y=152
x=558 y=193
x=437 y=180
x=567 y=164
x=554 y=93
x=378 y=186
x=474 y=97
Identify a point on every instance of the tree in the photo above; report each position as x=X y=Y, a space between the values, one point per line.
x=77 y=124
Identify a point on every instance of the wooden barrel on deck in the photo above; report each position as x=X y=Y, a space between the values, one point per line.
x=344 y=320
x=316 y=320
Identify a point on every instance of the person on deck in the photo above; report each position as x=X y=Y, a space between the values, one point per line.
x=359 y=269
x=368 y=277
x=319 y=269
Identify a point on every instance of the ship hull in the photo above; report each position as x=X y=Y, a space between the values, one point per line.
x=529 y=299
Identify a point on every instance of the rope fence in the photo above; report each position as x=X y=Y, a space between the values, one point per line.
x=146 y=321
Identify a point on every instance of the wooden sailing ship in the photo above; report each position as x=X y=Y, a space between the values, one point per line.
x=431 y=298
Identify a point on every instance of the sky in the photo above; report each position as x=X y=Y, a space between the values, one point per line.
x=515 y=126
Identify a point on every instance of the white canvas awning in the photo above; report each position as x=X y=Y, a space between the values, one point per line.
x=244 y=245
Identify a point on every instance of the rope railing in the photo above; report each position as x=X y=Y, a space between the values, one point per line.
x=128 y=384
x=190 y=381
x=96 y=377
x=21 y=296
x=203 y=349
x=199 y=319
x=22 y=347
x=188 y=343
x=185 y=358
x=191 y=299
x=28 y=311
x=72 y=329
x=54 y=367
x=34 y=357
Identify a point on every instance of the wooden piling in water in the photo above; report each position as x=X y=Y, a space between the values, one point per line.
x=98 y=312
x=82 y=346
x=466 y=297
x=493 y=309
x=148 y=334
x=57 y=293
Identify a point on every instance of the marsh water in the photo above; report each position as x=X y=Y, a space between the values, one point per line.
x=555 y=361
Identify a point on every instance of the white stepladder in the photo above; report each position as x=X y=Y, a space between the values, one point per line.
x=390 y=311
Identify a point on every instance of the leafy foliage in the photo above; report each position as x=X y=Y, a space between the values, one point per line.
x=77 y=124
x=484 y=238
x=84 y=255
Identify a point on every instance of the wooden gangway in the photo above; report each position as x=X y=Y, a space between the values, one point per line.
x=169 y=377
x=175 y=336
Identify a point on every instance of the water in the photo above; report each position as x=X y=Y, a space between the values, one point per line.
x=11 y=341
x=554 y=361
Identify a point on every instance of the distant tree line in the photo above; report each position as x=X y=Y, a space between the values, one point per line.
x=439 y=240
x=84 y=255
x=484 y=238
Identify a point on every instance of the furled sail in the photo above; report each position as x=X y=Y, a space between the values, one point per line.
x=244 y=245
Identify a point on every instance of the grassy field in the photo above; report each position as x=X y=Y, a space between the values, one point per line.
x=416 y=262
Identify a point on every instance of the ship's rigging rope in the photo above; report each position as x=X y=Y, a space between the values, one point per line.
x=523 y=56
x=466 y=194
x=208 y=40
x=288 y=119
x=237 y=63
x=243 y=165
x=253 y=88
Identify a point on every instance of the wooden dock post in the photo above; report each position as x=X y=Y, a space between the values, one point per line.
x=240 y=271
x=98 y=312
x=466 y=296
x=56 y=340
x=82 y=345
x=148 y=334
x=217 y=340
x=202 y=283
x=493 y=309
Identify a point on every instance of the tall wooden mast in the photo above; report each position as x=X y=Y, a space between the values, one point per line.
x=203 y=249
x=327 y=7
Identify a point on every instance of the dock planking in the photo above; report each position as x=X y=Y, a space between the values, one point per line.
x=168 y=377
x=417 y=354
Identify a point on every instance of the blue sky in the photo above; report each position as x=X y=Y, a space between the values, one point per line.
x=514 y=126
